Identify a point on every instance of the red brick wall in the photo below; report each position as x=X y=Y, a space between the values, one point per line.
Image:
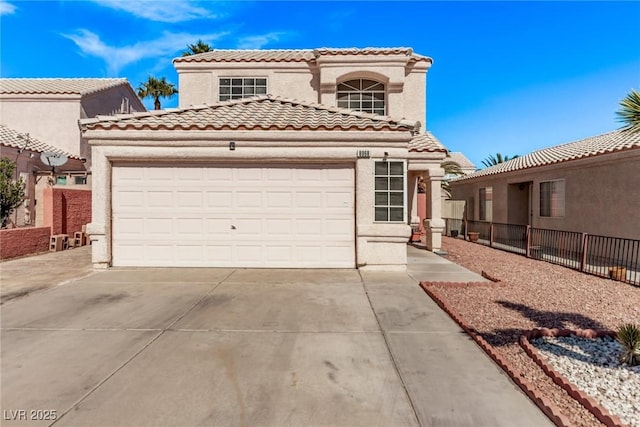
x=23 y=241
x=66 y=211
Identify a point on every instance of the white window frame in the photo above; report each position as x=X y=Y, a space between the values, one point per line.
x=356 y=92
x=555 y=197
x=485 y=205
x=377 y=206
x=242 y=88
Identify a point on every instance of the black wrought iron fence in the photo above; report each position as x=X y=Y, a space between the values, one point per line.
x=510 y=237
x=612 y=257
x=481 y=227
x=555 y=246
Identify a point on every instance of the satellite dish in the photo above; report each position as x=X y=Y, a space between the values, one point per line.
x=53 y=159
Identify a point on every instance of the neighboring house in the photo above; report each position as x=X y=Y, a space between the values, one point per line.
x=26 y=151
x=49 y=108
x=591 y=186
x=239 y=178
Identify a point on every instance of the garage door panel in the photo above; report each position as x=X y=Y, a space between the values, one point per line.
x=128 y=199
x=248 y=199
x=218 y=199
x=240 y=216
x=248 y=254
x=189 y=199
x=188 y=226
x=278 y=253
x=158 y=199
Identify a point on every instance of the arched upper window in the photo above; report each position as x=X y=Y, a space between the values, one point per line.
x=362 y=95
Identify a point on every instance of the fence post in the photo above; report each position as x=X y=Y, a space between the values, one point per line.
x=491 y=235
x=583 y=259
x=527 y=241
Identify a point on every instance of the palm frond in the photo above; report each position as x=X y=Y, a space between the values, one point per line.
x=629 y=112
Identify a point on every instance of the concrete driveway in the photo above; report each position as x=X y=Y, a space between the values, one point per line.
x=201 y=347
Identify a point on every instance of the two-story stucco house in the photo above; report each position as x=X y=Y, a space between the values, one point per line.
x=274 y=158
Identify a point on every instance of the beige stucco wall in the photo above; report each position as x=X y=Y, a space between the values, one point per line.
x=602 y=194
x=378 y=245
x=405 y=83
x=52 y=120
x=200 y=86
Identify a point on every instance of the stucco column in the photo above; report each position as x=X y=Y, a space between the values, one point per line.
x=434 y=224
x=98 y=229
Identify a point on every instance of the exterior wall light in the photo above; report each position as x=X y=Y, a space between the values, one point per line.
x=232 y=146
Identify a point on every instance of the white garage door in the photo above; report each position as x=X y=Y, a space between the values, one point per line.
x=233 y=216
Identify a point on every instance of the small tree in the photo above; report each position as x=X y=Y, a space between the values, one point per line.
x=629 y=112
x=198 y=47
x=156 y=88
x=497 y=159
x=11 y=190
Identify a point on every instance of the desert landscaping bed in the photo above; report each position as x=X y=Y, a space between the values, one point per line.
x=534 y=294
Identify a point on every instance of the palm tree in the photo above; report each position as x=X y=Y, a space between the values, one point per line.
x=199 y=47
x=497 y=159
x=156 y=88
x=629 y=112
x=450 y=168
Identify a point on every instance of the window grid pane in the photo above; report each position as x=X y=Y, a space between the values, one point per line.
x=358 y=95
x=389 y=191
x=238 y=88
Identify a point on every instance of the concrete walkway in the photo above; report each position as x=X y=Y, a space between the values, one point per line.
x=191 y=347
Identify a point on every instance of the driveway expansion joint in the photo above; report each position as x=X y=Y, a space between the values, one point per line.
x=396 y=367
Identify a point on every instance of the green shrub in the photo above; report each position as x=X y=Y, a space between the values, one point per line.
x=629 y=337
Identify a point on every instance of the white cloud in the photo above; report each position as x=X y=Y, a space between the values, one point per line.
x=259 y=41
x=6 y=8
x=158 y=10
x=117 y=58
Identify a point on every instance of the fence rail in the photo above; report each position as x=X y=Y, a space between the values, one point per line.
x=605 y=256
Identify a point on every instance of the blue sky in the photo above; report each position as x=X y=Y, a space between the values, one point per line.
x=508 y=77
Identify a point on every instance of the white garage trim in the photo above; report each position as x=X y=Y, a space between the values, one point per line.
x=233 y=215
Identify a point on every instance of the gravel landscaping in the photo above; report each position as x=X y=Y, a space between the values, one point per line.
x=535 y=294
x=593 y=366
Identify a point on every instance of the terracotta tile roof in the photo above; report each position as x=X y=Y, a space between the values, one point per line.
x=426 y=142
x=57 y=86
x=294 y=55
x=461 y=159
x=12 y=138
x=611 y=142
x=264 y=112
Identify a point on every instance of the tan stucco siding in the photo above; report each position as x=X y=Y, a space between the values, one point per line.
x=602 y=194
x=405 y=85
x=202 y=87
x=194 y=88
x=414 y=94
x=52 y=121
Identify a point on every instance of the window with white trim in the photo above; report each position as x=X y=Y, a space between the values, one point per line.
x=241 y=87
x=552 y=198
x=486 y=204
x=389 y=194
x=362 y=95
